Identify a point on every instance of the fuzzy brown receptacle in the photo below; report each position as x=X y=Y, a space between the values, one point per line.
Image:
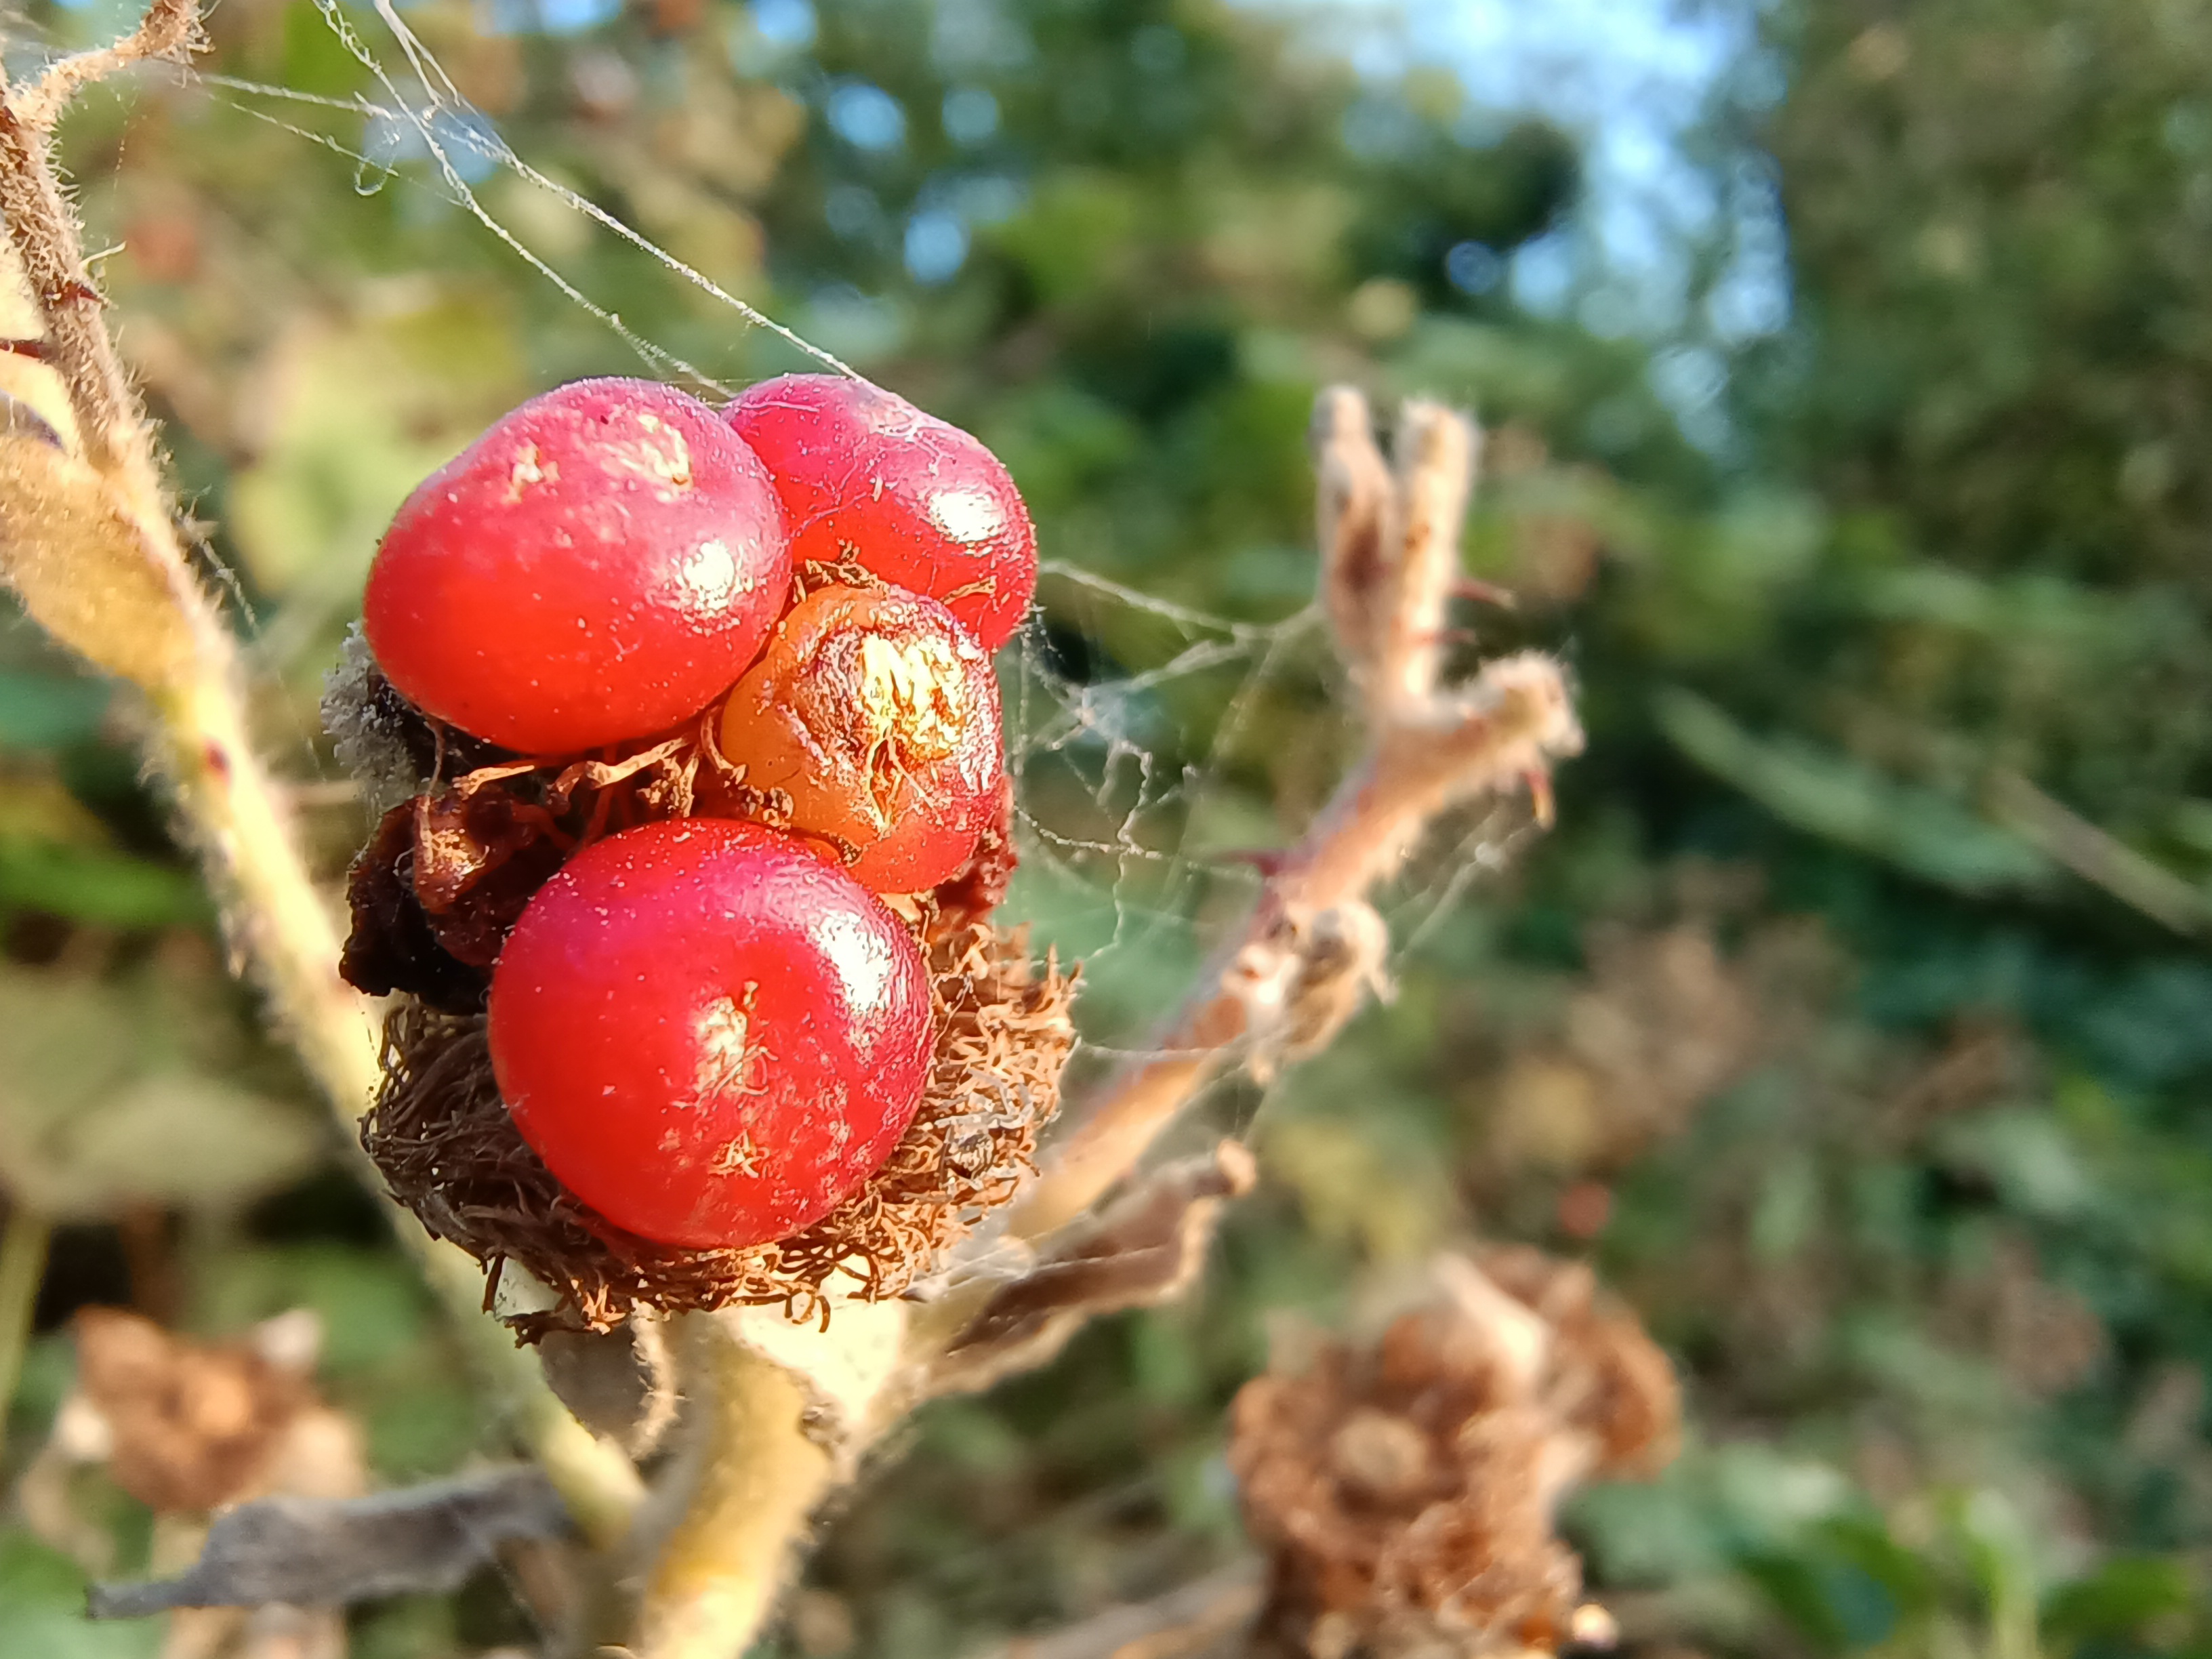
x=450 y=1153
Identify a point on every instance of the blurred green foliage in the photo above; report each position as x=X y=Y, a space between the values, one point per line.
x=1855 y=1019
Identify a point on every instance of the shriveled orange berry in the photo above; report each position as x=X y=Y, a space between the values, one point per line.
x=877 y=714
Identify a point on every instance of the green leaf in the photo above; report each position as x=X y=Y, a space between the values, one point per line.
x=42 y=1610
x=95 y=884
x=372 y=1304
x=1839 y=799
x=366 y=410
x=2119 y=1599
x=97 y=1109
x=50 y=711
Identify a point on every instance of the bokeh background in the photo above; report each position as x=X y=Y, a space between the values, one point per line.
x=1847 y=366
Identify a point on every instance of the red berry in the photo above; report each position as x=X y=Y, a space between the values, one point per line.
x=877 y=714
x=871 y=480
x=710 y=1033
x=602 y=561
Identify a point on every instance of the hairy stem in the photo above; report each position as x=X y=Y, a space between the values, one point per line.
x=170 y=29
x=43 y=228
x=229 y=805
x=756 y=1476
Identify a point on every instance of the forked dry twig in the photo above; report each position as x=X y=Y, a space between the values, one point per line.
x=1287 y=983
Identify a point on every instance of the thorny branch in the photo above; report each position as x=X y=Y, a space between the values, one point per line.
x=88 y=540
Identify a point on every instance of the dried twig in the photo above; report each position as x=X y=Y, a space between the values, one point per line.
x=1428 y=749
x=1148 y=1249
x=2097 y=857
x=324 y=1552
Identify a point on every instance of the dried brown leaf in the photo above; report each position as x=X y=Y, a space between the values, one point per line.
x=1404 y=1492
x=325 y=1553
x=620 y=1384
x=1144 y=1250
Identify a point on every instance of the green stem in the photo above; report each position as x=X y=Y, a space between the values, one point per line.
x=22 y=1265
x=233 y=812
x=756 y=1476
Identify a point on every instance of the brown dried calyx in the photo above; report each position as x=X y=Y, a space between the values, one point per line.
x=449 y=1151
x=1405 y=1494
x=469 y=832
x=452 y=864
x=448 y=871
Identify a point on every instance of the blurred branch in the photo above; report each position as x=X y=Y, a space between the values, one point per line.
x=1145 y=1248
x=2101 y=859
x=1208 y=1615
x=330 y=1552
x=89 y=541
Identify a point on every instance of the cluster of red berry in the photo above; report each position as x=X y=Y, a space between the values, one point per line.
x=710 y=1026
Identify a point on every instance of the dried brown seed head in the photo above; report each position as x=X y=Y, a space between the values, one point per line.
x=1404 y=1493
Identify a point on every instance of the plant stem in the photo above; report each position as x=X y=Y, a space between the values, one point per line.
x=757 y=1475
x=230 y=807
x=1514 y=719
x=22 y=1264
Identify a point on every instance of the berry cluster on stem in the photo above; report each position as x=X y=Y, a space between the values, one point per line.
x=693 y=813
